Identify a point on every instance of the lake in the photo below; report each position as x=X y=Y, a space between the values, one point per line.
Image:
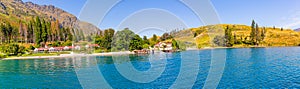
x=212 y=68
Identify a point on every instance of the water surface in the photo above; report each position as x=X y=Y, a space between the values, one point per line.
x=244 y=68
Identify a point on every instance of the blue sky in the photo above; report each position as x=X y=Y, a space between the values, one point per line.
x=279 y=13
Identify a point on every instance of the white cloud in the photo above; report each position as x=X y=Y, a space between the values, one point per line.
x=293 y=25
x=292 y=21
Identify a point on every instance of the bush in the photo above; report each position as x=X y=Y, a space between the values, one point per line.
x=13 y=49
x=3 y=56
x=55 y=44
x=114 y=49
x=46 y=51
x=99 y=51
x=67 y=43
x=31 y=47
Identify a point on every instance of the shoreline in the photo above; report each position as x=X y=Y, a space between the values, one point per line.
x=70 y=55
x=206 y=48
x=127 y=53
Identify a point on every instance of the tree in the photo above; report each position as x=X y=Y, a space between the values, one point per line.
x=136 y=43
x=257 y=35
x=122 y=39
x=228 y=37
x=166 y=36
x=69 y=35
x=44 y=32
x=175 y=45
x=4 y=32
x=108 y=36
x=145 y=46
x=154 y=38
x=235 y=39
x=263 y=34
x=253 y=32
x=13 y=49
x=38 y=30
x=9 y=30
x=145 y=39
x=22 y=32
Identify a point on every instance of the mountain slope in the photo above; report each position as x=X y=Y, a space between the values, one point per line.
x=16 y=10
x=203 y=36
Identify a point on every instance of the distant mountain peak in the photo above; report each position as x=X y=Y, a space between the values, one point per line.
x=297 y=30
x=21 y=10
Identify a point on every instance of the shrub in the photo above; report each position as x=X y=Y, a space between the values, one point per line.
x=99 y=51
x=67 y=43
x=31 y=47
x=13 y=49
x=3 y=56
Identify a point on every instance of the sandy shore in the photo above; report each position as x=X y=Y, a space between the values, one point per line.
x=71 y=55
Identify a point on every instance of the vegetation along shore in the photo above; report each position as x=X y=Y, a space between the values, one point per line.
x=25 y=32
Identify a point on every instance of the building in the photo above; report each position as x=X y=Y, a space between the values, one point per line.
x=65 y=48
x=163 y=46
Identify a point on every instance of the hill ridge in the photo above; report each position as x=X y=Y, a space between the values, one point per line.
x=20 y=10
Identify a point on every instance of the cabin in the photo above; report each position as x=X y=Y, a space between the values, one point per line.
x=40 y=49
x=65 y=48
x=163 y=46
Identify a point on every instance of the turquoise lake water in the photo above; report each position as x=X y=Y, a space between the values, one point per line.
x=243 y=68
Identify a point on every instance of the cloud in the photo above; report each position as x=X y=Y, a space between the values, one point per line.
x=293 y=25
x=292 y=21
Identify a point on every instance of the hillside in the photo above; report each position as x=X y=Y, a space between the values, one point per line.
x=14 y=11
x=204 y=36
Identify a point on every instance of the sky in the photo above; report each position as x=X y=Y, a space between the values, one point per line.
x=279 y=13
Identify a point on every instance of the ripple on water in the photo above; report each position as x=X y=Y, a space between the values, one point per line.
x=245 y=68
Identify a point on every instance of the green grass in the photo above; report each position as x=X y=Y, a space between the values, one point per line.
x=40 y=54
x=44 y=54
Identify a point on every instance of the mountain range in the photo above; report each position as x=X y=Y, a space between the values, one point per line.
x=297 y=30
x=17 y=10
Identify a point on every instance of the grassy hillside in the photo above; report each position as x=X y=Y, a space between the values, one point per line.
x=203 y=36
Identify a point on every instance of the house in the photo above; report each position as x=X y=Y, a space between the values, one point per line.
x=77 y=47
x=56 y=49
x=40 y=49
x=163 y=46
x=65 y=48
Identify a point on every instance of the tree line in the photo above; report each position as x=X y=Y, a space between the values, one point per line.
x=37 y=31
x=111 y=40
x=257 y=35
x=40 y=32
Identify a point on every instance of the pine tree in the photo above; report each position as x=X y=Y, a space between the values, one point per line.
x=228 y=37
x=146 y=41
x=252 y=34
x=44 y=32
x=37 y=31
x=257 y=34
x=154 y=38
x=30 y=32
x=263 y=33
x=235 y=39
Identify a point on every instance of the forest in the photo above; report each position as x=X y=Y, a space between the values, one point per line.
x=38 y=33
